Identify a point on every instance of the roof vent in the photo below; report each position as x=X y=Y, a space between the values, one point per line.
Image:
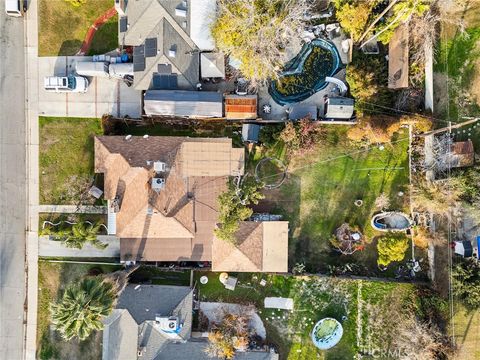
x=128 y=137
x=181 y=12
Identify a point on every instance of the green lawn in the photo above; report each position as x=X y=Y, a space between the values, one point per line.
x=66 y=158
x=106 y=37
x=62 y=27
x=321 y=189
x=52 y=279
x=316 y=298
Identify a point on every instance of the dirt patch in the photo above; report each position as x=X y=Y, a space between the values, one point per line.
x=440 y=92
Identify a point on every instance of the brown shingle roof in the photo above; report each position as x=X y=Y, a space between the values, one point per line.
x=185 y=211
x=261 y=246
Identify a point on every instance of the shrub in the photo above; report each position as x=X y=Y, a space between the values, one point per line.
x=76 y=3
x=466 y=282
x=391 y=247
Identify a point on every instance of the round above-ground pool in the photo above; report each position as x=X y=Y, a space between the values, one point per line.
x=391 y=221
x=305 y=74
x=327 y=333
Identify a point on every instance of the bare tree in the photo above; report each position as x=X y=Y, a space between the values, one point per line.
x=439 y=157
x=382 y=202
x=257 y=33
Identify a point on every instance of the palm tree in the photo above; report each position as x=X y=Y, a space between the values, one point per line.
x=82 y=233
x=82 y=307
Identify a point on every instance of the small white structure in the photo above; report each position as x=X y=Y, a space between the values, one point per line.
x=202 y=16
x=212 y=65
x=278 y=303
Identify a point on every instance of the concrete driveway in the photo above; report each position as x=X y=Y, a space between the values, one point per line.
x=104 y=96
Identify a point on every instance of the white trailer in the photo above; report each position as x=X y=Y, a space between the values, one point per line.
x=120 y=70
x=90 y=68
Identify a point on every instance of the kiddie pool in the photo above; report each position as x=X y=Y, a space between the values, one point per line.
x=326 y=66
x=391 y=221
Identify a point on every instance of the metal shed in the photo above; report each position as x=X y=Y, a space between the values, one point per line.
x=183 y=103
x=250 y=132
x=339 y=108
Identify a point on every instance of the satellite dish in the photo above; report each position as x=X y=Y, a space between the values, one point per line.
x=128 y=137
x=145 y=136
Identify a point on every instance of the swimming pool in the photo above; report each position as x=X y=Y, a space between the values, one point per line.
x=305 y=74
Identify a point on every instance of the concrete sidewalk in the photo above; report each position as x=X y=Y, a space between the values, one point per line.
x=51 y=248
x=32 y=139
x=72 y=209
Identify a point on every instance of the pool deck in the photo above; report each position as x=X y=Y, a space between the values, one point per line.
x=279 y=112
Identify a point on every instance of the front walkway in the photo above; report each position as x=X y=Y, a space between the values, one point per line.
x=72 y=209
x=51 y=248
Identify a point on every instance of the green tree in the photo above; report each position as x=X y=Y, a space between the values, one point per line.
x=256 y=33
x=82 y=307
x=353 y=16
x=234 y=206
x=391 y=247
x=400 y=13
x=466 y=282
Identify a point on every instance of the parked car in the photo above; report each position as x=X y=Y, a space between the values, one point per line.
x=66 y=83
x=13 y=7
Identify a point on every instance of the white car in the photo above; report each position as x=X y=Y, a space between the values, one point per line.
x=66 y=83
x=13 y=8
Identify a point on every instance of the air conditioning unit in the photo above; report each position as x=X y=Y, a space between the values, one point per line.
x=158 y=184
x=167 y=324
x=159 y=166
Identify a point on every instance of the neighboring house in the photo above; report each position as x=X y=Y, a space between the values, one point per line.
x=162 y=199
x=398 y=58
x=154 y=322
x=462 y=154
x=171 y=33
x=339 y=108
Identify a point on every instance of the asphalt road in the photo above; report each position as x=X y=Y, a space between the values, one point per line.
x=12 y=185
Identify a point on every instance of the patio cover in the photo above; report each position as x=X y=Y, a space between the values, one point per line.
x=212 y=65
x=183 y=103
x=278 y=303
x=302 y=111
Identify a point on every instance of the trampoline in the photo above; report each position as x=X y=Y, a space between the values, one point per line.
x=327 y=333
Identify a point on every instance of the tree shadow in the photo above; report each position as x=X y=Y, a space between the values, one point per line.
x=69 y=47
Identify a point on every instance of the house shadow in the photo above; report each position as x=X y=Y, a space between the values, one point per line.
x=69 y=47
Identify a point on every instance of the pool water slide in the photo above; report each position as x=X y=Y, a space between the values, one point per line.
x=341 y=85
